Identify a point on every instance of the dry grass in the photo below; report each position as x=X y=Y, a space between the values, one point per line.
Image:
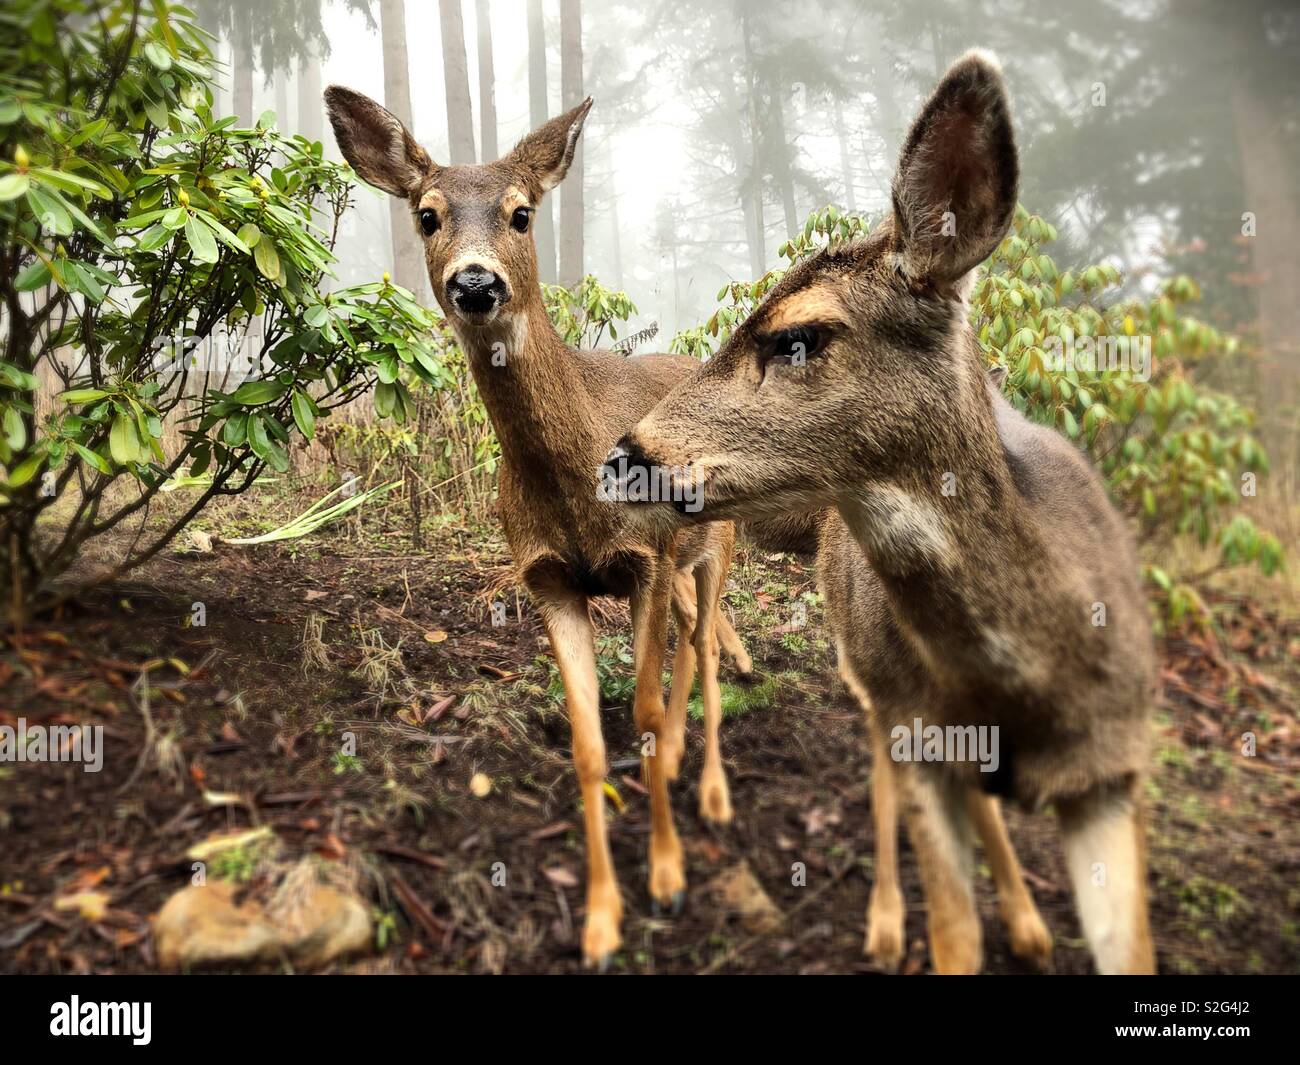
x=315 y=654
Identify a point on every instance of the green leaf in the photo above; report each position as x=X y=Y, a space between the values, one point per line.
x=157 y=55
x=303 y=414
x=50 y=211
x=12 y=186
x=124 y=440
x=223 y=234
x=202 y=243
x=25 y=470
x=78 y=396
x=267 y=259
x=15 y=430
x=31 y=277
x=255 y=393
x=93 y=458
x=235 y=432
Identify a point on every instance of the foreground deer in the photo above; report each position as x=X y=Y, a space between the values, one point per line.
x=967 y=554
x=556 y=412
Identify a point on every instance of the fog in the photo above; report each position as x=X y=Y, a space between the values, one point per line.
x=1148 y=130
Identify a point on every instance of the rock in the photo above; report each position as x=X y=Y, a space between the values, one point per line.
x=202 y=925
x=739 y=892
x=306 y=921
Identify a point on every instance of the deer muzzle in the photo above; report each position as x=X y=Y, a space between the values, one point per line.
x=476 y=290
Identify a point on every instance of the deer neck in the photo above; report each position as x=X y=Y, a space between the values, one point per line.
x=534 y=394
x=951 y=539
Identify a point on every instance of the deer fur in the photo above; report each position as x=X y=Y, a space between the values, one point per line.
x=556 y=411
x=964 y=552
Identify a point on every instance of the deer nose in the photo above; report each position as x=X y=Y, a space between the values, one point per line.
x=623 y=458
x=476 y=290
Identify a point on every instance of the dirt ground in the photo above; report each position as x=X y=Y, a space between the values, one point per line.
x=244 y=720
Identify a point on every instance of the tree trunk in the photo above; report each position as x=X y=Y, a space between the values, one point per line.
x=241 y=72
x=282 y=122
x=757 y=249
x=617 y=243
x=571 y=214
x=538 y=111
x=455 y=77
x=884 y=88
x=311 y=123
x=846 y=168
x=1269 y=197
x=408 y=256
x=781 y=160
x=487 y=101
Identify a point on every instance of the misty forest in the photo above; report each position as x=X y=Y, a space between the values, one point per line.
x=287 y=683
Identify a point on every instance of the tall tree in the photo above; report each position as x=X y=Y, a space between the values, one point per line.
x=455 y=78
x=311 y=116
x=538 y=112
x=408 y=256
x=282 y=122
x=571 y=213
x=487 y=100
x=241 y=71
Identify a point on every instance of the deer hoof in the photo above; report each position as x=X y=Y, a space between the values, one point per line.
x=715 y=801
x=1030 y=939
x=675 y=906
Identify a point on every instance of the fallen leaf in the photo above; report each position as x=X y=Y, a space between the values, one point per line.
x=224 y=798
x=614 y=796
x=92 y=905
x=333 y=848
x=224 y=841
x=560 y=877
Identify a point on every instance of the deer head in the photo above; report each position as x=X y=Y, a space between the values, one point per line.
x=475 y=221
x=848 y=369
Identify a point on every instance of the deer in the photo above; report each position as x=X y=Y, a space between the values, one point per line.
x=965 y=554
x=556 y=411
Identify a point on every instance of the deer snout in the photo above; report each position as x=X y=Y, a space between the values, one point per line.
x=623 y=459
x=477 y=290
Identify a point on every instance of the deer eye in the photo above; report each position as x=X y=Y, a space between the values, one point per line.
x=519 y=220
x=793 y=347
x=429 y=221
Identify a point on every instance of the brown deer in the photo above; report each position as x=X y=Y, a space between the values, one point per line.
x=556 y=411
x=975 y=574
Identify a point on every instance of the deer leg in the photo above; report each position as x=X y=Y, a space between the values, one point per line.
x=729 y=640
x=568 y=624
x=1029 y=936
x=650 y=605
x=679 y=697
x=1105 y=852
x=710 y=572
x=940 y=830
x=885 y=910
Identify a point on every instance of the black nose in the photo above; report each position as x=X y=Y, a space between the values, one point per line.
x=476 y=290
x=623 y=458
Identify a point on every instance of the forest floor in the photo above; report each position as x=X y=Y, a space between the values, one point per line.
x=244 y=721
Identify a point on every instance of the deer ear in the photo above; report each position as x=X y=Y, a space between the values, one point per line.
x=547 y=152
x=955 y=190
x=374 y=141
